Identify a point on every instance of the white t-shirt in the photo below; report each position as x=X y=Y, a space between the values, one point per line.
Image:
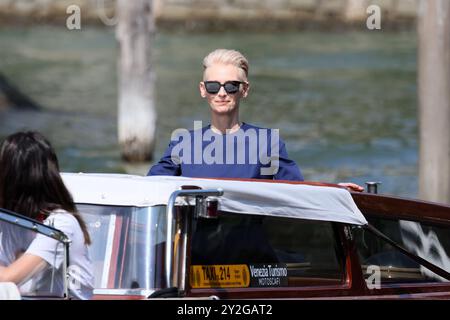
x=80 y=270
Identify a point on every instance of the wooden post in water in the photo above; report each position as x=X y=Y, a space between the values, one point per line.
x=355 y=10
x=136 y=114
x=434 y=99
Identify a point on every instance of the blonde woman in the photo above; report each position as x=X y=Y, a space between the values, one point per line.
x=227 y=147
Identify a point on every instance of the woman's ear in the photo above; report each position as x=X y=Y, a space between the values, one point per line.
x=246 y=89
x=201 y=87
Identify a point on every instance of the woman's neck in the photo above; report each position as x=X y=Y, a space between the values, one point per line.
x=225 y=125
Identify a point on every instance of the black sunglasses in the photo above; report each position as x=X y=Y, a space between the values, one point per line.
x=214 y=86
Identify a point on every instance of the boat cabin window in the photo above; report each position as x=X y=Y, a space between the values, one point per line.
x=15 y=239
x=266 y=251
x=377 y=255
x=127 y=248
x=430 y=242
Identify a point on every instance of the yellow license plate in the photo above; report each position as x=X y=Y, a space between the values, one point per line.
x=220 y=276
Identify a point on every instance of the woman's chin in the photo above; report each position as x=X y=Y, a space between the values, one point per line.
x=222 y=109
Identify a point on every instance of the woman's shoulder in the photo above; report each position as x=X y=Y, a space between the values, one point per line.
x=270 y=131
x=245 y=126
x=61 y=219
x=61 y=213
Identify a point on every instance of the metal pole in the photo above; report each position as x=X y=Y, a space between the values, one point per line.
x=372 y=186
x=66 y=265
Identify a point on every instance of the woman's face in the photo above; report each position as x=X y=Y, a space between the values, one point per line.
x=222 y=102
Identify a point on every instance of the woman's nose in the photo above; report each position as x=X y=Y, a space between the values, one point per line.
x=222 y=92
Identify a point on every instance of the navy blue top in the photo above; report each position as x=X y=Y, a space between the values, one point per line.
x=249 y=152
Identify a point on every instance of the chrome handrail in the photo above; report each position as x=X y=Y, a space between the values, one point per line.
x=33 y=225
x=169 y=224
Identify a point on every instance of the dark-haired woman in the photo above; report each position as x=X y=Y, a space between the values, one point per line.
x=30 y=184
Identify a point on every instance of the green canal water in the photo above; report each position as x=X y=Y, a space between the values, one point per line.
x=345 y=103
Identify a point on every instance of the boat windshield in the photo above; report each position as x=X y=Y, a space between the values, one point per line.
x=127 y=248
x=19 y=235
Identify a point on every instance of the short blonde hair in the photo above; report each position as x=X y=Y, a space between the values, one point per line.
x=226 y=56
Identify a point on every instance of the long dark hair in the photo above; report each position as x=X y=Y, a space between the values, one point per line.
x=30 y=182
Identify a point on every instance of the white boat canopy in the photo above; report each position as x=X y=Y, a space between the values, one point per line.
x=299 y=201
